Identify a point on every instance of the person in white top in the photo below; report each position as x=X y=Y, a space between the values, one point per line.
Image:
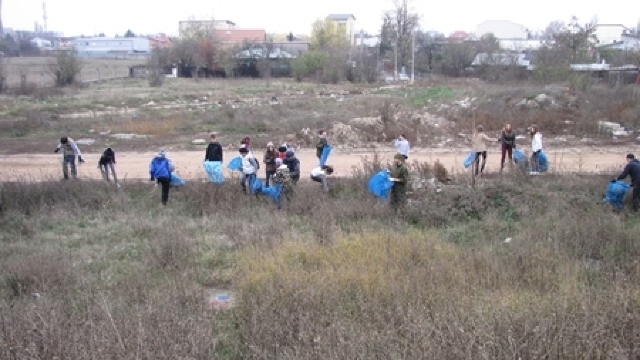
x=319 y=174
x=249 y=168
x=402 y=144
x=536 y=149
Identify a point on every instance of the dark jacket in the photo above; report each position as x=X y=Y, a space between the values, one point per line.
x=270 y=160
x=108 y=156
x=320 y=145
x=400 y=172
x=214 y=152
x=293 y=164
x=632 y=169
x=508 y=140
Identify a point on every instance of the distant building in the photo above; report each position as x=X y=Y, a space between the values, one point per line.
x=628 y=42
x=608 y=34
x=369 y=41
x=159 y=41
x=502 y=29
x=296 y=48
x=41 y=44
x=236 y=37
x=459 y=36
x=190 y=26
x=346 y=23
x=111 y=47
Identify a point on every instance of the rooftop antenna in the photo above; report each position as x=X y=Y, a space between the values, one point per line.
x=44 y=16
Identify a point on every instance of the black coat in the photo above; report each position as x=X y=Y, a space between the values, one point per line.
x=632 y=169
x=214 y=152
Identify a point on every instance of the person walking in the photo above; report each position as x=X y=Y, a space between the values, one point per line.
x=402 y=144
x=480 y=148
x=107 y=163
x=536 y=149
x=283 y=178
x=269 y=160
x=214 y=150
x=508 y=144
x=400 y=176
x=160 y=170
x=69 y=152
x=632 y=169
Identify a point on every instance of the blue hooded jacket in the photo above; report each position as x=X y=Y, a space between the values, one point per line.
x=160 y=168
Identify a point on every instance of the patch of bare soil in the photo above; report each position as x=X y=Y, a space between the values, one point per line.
x=134 y=164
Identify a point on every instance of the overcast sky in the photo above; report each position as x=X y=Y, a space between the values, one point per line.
x=88 y=17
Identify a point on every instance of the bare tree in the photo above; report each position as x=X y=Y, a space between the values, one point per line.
x=398 y=27
x=65 y=68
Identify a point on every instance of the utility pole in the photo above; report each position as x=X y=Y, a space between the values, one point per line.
x=395 y=51
x=413 y=56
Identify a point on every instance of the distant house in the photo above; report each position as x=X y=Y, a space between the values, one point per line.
x=111 y=47
x=346 y=23
x=627 y=42
x=295 y=48
x=459 y=36
x=159 y=41
x=41 y=44
x=187 y=27
x=236 y=37
x=502 y=29
x=608 y=34
x=369 y=41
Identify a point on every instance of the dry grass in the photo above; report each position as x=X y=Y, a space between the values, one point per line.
x=337 y=277
x=154 y=127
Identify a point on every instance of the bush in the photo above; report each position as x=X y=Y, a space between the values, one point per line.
x=66 y=68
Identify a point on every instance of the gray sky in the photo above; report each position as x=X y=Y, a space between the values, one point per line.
x=76 y=17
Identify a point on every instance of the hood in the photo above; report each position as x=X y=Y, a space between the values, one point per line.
x=290 y=155
x=161 y=154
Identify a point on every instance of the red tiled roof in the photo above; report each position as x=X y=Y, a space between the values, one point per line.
x=459 y=35
x=238 y=36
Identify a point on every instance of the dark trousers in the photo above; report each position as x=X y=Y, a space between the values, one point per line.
x=165 y=184
x=636 y=198
x=506 y=150
x=269 y=176
x=535 y=167
x=247 y=179
x=477 y=161
x=398 y=198
x=286 y=193
x=69 y=161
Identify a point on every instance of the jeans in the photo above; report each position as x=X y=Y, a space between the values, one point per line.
x=269 y=176
x=477 y=161
x=322 y=180
x=69 y=161
x=105 y=171
x=247 y=178
x=506 y=150
x=165 y=183
x=534 y=162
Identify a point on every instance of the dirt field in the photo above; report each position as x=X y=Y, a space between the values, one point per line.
x=34 y=67
x=134 y=165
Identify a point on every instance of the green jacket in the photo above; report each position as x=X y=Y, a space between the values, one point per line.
x=320 y=145
x=400 y=172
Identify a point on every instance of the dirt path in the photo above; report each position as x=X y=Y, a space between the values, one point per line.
x=134 y=165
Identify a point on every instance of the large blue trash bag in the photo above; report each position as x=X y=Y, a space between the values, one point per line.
x=615 y=193
x=379 y=185
x=213 y=169
x=325 y=155
x=176 y=181
x=469 y=160
x=235 y=164
x=543 y=162
x=518 y=156
x=256 y=186
x=272 y=192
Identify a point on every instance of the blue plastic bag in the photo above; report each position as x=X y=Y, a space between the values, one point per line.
x=615 y=194
x=176 y=181
x=379 y=185
x=272 y=192
x=325 y=155
x=235 y=164
x=469 y=160
x=213 y=169
x=543 y=163
x=518 y=156
x=256 y=186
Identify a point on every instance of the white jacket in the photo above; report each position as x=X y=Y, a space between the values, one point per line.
x=536 y=142
x=402 y=146
x=249 y=164
x=317 y=172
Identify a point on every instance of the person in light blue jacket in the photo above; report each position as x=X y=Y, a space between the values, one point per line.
x=160 y=170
